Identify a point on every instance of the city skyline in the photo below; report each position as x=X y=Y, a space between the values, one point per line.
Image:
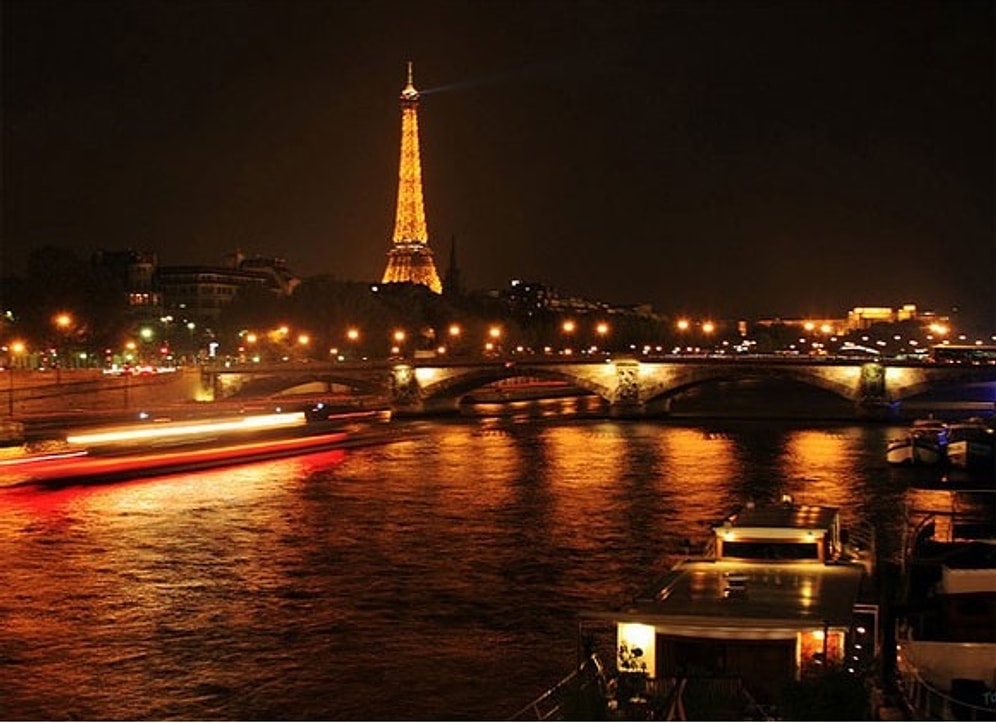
x=723 y=158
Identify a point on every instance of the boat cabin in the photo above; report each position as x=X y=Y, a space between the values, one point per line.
x=777 y=597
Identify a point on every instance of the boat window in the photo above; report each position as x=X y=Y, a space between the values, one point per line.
x=772 y=551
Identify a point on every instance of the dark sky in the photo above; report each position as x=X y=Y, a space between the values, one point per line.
x=735 y=158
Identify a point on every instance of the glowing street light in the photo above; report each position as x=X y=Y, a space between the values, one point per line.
x=708 y=327
x=15 y=349
x=399 y=339
x=63 y=321
x=683 y=324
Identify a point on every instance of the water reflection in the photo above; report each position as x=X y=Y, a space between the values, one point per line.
x=438 y=576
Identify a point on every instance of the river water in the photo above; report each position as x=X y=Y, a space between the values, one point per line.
x=436 y=576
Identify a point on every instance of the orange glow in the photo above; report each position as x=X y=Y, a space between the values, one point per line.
x=683 y=324
x=303 y=339
x=63 y=320
x=708 y=327
x=17 y=347
x=569 y=327
x=494 y=332
x=454 y=330
x=399 y=336
x=353 y=334
x=602 y=328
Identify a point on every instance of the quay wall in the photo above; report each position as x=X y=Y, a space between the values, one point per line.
x=33 y=393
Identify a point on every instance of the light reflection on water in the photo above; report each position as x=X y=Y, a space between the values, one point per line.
x=435 y=577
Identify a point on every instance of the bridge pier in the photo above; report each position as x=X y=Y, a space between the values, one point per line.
x=873 y=400
x=405 y=393
x=626 y=401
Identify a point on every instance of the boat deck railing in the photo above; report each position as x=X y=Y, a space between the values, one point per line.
x=927 y=702
x=695 y=698
x=556 y=703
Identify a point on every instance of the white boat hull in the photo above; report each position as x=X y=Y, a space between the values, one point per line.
x=914 y=450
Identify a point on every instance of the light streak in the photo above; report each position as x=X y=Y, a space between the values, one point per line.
x=159 y=431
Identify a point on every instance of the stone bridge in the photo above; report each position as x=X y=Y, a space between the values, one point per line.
x=632 y=387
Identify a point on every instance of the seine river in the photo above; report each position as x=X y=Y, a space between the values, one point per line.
x=437 y=576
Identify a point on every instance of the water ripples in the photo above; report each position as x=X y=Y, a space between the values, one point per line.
x=436 y=577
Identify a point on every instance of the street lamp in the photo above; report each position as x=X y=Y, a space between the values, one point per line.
x=15 y=349
x=63 y=322
x=353 y=337
x=602 y=330
x=568 y=328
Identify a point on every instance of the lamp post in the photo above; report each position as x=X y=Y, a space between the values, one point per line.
x=602 y=330
x=494 y=345
x=63 y=322
x=568 y=328
x=16 y=348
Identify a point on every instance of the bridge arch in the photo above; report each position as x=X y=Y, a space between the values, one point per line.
x=242 y=384
x=458 y=382
x=669 y=383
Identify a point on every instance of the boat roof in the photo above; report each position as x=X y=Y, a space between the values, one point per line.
x=785 y=515
x=698 y=595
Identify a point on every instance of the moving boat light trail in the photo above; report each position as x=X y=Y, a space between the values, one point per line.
x=161 y=431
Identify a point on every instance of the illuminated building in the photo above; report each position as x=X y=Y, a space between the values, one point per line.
x=410 y=259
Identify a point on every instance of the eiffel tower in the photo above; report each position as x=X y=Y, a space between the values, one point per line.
x=410 y=259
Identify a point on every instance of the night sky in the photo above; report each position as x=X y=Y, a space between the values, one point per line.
x=735 y=158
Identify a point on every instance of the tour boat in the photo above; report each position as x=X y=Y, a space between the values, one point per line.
x=924 y=443
x=157 y=447
x=946 y=632
x=783 y=594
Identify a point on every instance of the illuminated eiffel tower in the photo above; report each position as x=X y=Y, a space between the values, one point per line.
x=410 y=258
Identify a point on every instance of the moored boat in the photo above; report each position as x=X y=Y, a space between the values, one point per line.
x=946 y=630
x=924 y=443
x=971 y=444
x=783 y=597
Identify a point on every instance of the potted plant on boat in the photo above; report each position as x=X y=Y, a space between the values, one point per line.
x=632 y=683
